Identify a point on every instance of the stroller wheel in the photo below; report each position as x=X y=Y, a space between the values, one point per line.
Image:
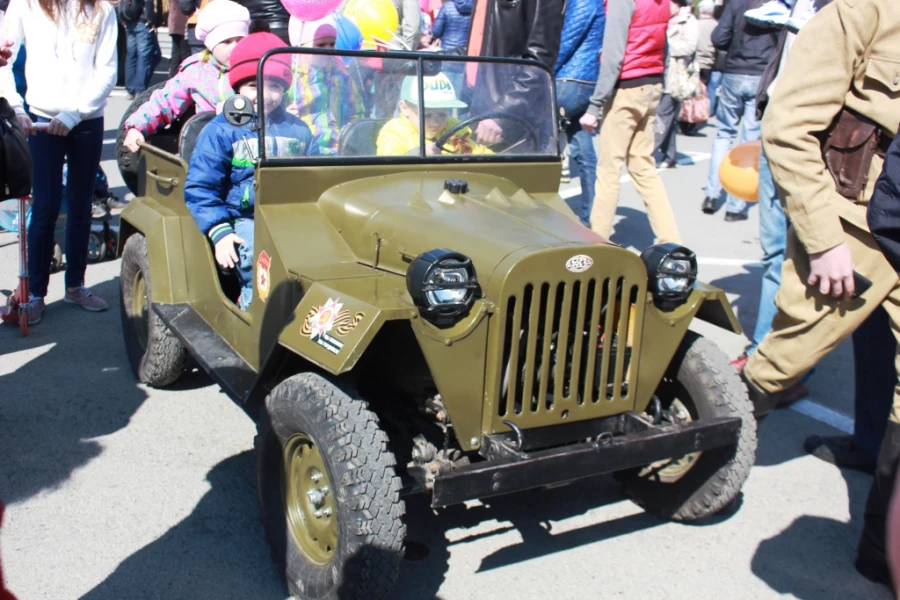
x=56 y=263
x=96 y=247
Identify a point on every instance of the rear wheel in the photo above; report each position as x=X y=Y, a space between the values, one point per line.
x=157 y=357
x=700 y=384
x=329 y=496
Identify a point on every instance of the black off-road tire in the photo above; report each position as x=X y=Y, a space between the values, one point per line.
x=701 y=370
x=163 y=359
x=354 y=449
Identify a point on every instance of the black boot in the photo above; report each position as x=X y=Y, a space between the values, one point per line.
x=763 y=403
x=871 y=560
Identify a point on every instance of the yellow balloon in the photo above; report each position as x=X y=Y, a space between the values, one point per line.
x=377 y=20
x=739 y=171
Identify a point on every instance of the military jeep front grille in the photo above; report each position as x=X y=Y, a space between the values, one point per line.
x=568 y=347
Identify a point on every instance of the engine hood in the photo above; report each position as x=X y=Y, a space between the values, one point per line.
x=389 y=220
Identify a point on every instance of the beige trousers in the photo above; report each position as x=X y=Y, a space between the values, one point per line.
x=627 y=138
x=808 y=325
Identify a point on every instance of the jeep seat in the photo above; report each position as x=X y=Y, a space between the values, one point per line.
x=190 y=131
x=359 y=138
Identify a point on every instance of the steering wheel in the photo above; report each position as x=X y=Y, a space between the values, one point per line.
x=530 y=132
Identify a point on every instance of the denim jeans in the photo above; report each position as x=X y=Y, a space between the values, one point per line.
x=715 y=79
x=141 y=57
x=574 y=97
x=773 y=239
x=244 y=230
x=82 y=148
x=736 y=106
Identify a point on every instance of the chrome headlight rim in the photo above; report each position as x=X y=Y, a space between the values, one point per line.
x=442 y=270
x=659 y=261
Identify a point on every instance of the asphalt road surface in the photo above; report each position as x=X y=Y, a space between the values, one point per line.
x=117 y=491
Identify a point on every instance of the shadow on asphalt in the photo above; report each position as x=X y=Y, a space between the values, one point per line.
x=47 y=424
x=218 y=551
x=792 y=562
x=745 y=287
x=633 y=230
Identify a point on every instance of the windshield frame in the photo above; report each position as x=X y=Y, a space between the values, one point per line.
x=421 y=59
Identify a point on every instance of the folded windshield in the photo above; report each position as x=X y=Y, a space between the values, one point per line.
x=427 y=107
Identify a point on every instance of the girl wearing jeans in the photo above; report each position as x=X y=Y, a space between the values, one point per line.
x=70 y=72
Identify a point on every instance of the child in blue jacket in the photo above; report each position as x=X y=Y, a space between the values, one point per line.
x=219 y=188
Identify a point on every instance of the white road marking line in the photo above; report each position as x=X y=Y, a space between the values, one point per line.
x=816 y=411
x=727 y=262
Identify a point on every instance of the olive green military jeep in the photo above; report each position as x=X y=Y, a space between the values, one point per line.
x=429 y=317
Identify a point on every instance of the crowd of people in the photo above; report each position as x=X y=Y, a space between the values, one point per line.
x=633 y=73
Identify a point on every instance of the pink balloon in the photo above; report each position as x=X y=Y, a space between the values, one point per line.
x=310 y=10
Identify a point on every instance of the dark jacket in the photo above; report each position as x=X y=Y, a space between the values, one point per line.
x=452 y=24
x=582 y=40
x=271 y=11
x=749 y=47
x=883 y=214
x=148 y=12
x=516 y=29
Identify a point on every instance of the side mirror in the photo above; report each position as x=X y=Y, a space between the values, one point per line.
x=238 y=110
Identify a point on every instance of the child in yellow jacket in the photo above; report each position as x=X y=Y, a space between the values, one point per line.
x=401 y=135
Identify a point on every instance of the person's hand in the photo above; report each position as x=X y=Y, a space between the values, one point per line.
x=489 y=132
x=226 y=254
x=832 y=271
x=294 y=109
x=26 y=124
x=57 y=127
x=589 y=123
x=5 y=52
x=132 y=139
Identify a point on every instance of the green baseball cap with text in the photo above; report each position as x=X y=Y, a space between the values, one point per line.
x=439 y=92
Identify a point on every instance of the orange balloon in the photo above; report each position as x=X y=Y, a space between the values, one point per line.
x=739 y=171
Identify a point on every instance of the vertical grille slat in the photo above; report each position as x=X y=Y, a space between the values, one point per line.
x=531 y=333
x=606 y=343
x=512 y=377
x=562 y=344
x=577 y=342
x=546 y=356
x=622 y=333
x=588 y=387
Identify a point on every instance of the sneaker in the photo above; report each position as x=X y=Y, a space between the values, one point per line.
x=770 y=14
x=840 y=450
x=113 y=201
x=792 y=394
x=35 y=310
x=709 y=205
x=129 y=96
x=796 y=22
x=740 y=362
x=99 y=208
x=732 y=217
x=85 y=299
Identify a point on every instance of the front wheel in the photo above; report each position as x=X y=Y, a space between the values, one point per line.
x=328 y=492
x=157 y=357
x=700 y=384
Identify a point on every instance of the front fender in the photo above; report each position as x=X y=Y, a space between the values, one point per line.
x=664 y=330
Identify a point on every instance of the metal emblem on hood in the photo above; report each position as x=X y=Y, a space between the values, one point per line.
x=579 y=263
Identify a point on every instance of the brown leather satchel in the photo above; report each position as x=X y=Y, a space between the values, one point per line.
x=849 y=146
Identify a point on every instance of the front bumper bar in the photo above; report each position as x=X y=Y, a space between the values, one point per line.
x=568 y=463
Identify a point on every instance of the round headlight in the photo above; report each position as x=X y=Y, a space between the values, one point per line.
x=442 y=285
x=671 y=273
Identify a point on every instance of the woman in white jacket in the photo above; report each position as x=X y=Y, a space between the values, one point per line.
x=70 y=71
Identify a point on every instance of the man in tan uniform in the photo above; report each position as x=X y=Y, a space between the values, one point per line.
x=858 y=68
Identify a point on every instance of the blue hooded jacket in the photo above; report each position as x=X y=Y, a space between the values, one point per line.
x=452 y=24
x=219 y=185
x=582 y=40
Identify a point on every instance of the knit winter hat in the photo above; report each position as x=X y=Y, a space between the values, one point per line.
x=305 y=32
x=247 y=53
x=222 y=20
